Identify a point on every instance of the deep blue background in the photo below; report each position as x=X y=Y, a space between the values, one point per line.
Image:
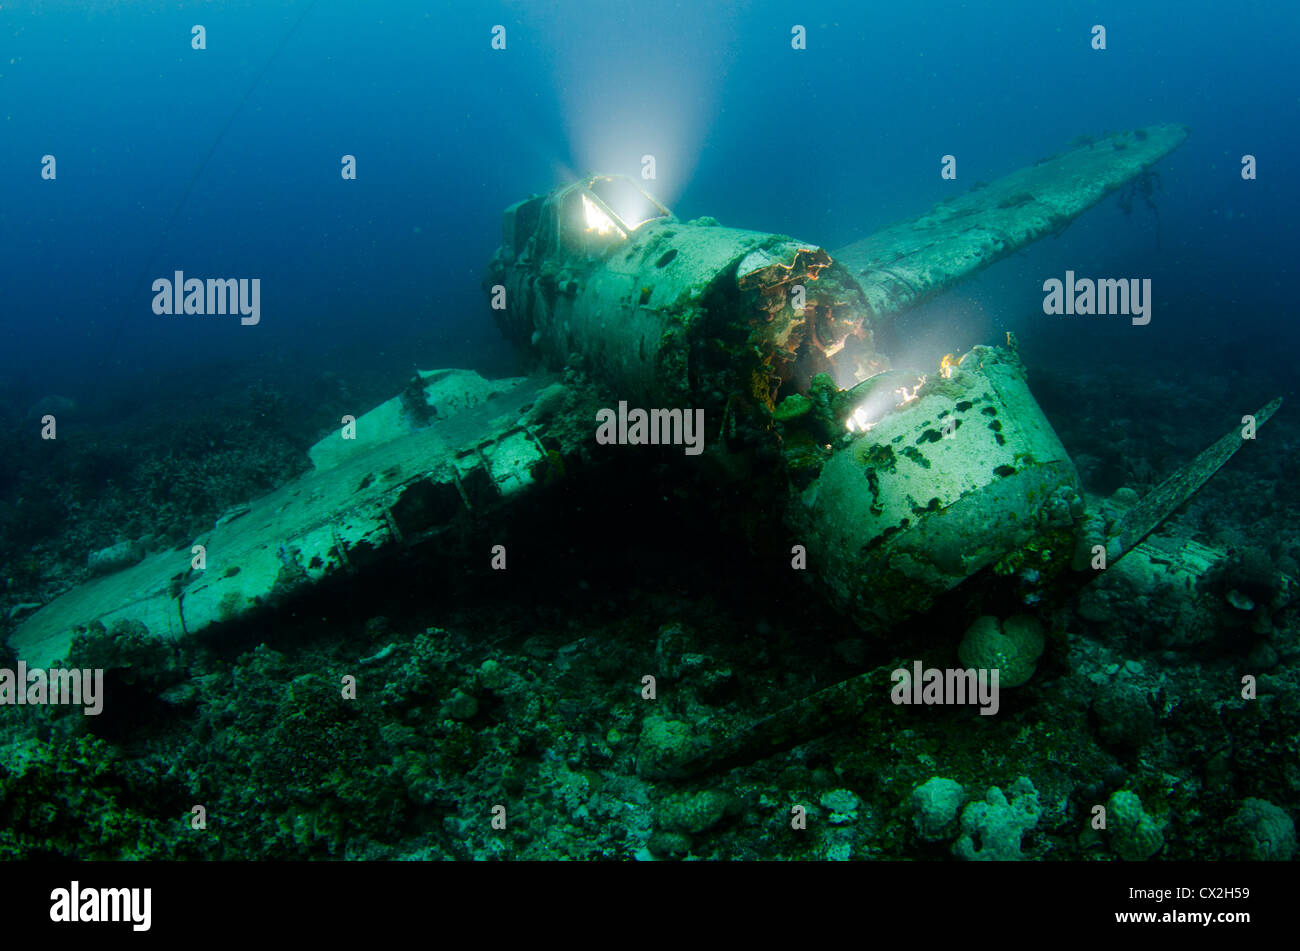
x=382 y=273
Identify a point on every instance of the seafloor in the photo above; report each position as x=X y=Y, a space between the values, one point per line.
x=523 y=688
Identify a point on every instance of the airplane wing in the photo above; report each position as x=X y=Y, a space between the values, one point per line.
x=906 y=263
x=452 y=443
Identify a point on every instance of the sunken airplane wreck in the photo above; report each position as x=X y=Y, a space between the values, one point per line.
x=900 y=484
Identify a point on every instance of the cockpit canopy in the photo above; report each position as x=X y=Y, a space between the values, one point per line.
x=601 y=210
x=583 y=218
x=630 y=204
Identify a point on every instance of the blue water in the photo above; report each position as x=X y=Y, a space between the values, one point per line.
x=163 y=164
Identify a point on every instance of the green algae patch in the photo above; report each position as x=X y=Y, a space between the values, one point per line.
x=792 y=407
